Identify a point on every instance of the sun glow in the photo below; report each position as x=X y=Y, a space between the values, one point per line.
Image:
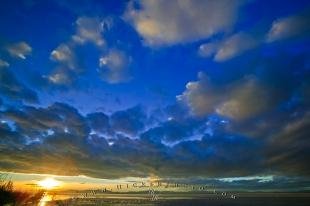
x=49 y=183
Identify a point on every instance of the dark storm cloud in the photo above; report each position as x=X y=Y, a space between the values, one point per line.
x=9 y=138
x=59 y=140
x=288 y=150
x=173 y=131
x=216 y=155
x=99 y=122
x=129 y=121
x=46 y=135
x=35 y=122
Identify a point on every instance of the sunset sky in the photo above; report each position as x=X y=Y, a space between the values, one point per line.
x=197 y=91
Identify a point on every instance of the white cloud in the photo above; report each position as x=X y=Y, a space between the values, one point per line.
x=162 y=22
x=114 y=66
x=19 y=50
x=4 y=63
x=288 y=27
x=89 y=30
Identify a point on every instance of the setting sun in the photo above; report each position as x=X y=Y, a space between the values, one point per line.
x=48 y=183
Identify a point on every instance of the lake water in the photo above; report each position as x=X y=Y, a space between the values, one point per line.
x=246 y=199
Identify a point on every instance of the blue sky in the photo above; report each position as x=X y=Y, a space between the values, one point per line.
x=168 y=88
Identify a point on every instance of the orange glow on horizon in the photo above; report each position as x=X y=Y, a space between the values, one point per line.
x=49 y=183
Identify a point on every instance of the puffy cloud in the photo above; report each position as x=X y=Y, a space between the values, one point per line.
x=229 y=47
x=289 y=27
x=201 y=96
x=89 y=30
x=239 y=100
x=19 y=50
x=4 y=63
x=246 y=100
x=180 y=21
x=114 y=67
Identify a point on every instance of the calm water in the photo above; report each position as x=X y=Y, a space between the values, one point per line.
x=269 y=199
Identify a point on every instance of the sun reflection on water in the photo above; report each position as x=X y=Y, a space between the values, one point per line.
x=46 y=198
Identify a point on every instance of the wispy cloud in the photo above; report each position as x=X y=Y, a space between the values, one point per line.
x=89 y=30
x=19 y=50
x=4 y=63
x=288 y=27
x=233 y=46
x=114 y=66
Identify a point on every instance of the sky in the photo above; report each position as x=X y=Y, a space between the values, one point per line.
x=189 y=90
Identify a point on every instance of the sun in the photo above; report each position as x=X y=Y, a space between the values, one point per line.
x=49 y=183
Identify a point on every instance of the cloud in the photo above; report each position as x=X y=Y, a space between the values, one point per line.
x=19 y=50
x=65 y=55
x=173 y=132
x=113 y=63
x=114 y=67
x=60 y=132
x=247 y=99
x=166 y=23
x=129 y=122
x=99 y=122
x=288 y=27
x=287 y=149
x=89 y=30
x=121 y=144
x=60 y=76
x=228 y=48
x=12 y=88
x=207 y=49
x=239 y=100
x=4 y=63
x=234 y=46
x=201 y=96
x=68 y=67
x=220 y=154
